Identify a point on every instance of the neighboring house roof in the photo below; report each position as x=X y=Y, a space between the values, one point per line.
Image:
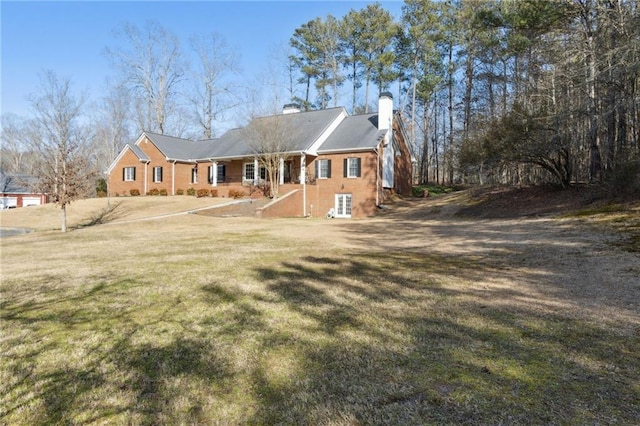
x=17 y=183
x=355 y=133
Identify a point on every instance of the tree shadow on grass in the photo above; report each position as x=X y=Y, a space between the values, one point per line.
x=124 y=371
x=392 y=346
x=107 y=215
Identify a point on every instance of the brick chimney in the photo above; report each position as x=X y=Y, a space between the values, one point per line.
x=385 y=111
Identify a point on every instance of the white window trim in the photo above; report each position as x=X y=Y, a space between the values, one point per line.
x=244 y=172
x=349 y=162
x=129 y=174
x=155 y=174
x=320 y=168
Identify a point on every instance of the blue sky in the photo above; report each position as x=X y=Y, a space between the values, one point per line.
x=70 y=37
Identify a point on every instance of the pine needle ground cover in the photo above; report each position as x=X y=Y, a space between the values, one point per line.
x=395 y=320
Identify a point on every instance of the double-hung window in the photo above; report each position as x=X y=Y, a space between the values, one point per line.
x=323 y=169
x=194 y=175
x=249 y=171
x=352 y=167
x=129 y=174
x=157 y=174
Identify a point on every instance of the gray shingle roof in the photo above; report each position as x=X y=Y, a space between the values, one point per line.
x=358 y=132
x=305 y=126
x=354 y=133
x=176 y=148
x=17 y=183
x=138 y=152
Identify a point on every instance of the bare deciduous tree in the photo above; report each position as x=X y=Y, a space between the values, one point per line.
x=152 y=67
x=213 y=89
x=63 y=168
x=112 y=126
x=272 y=140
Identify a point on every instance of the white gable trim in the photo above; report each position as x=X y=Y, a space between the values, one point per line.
x=313 y=149
x=140 y=138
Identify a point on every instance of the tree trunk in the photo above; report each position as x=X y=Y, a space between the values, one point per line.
x=63 y=215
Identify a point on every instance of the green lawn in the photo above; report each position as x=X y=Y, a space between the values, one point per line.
x=198 y=320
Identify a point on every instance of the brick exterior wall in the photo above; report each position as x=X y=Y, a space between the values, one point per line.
x=117 y=184
x=320 y=194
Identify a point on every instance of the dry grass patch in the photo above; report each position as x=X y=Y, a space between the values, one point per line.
x=94 y=211
x=203 y=320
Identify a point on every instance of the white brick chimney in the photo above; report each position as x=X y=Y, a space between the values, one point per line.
x=290 y=109
x=385 y=111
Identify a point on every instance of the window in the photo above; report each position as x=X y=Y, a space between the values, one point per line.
x=343 y=205
x=323 y=169
x=249 y=171
x=129 y=174
x=352 y=167
x=221 y=173
x=157 y=174
x=194 y=175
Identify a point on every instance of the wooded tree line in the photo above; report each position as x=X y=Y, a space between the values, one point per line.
x=495 y=91
x=492 y=91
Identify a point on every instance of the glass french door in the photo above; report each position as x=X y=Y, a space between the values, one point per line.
x=343 y=205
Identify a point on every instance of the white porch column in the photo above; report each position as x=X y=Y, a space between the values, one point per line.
x=173 y=179
x=281 y=171
x=214 y=170
x=303 y=180
x=303 y=165
x=256 y=172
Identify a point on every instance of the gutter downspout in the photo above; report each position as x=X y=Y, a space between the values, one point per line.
x=146 y=180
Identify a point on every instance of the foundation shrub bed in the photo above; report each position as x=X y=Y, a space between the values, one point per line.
x=234 y=193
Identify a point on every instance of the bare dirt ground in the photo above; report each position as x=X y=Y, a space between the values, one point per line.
x=527 y=251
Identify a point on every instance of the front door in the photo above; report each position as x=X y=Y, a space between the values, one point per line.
x=343 y=205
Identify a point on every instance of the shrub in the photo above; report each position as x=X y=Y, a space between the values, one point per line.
x=163 y=192
x=179 y=192
x=134 y=192
x=203 y=193
x=191 y=191
x=214 y=192
x=236 y=194
x=154 y=191
x=101 y=194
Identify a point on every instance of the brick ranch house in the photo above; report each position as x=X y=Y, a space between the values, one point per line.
x=341 y=165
